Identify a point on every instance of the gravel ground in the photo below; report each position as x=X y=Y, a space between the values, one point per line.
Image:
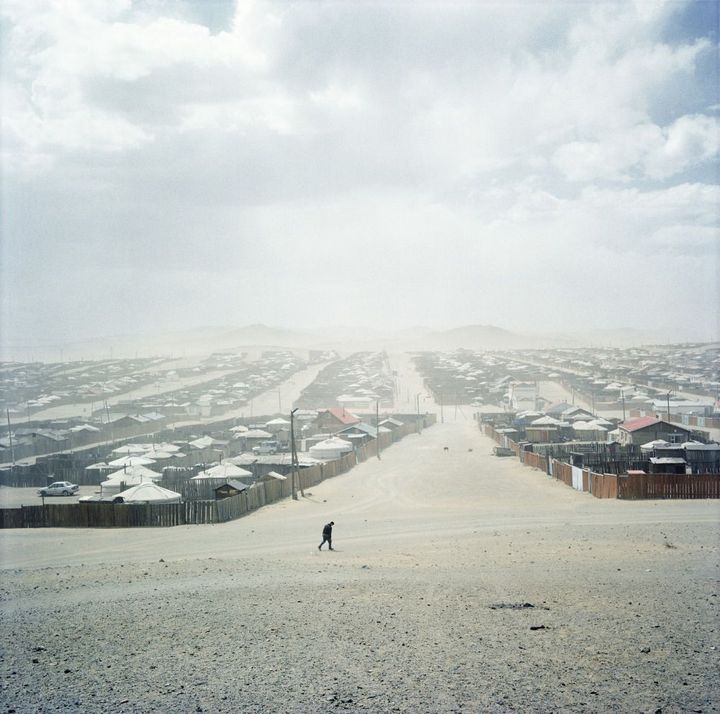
x=460 y=582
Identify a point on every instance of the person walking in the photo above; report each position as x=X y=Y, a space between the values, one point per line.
x=327 y=535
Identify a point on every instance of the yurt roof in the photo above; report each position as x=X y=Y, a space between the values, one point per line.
x=148 y=492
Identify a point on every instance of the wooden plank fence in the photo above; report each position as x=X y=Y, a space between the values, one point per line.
x=562 y=472
x=635 y=486
x=109 y=515
x=603 y=485
x=529 y=458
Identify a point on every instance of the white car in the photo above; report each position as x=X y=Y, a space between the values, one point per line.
x=59 y=488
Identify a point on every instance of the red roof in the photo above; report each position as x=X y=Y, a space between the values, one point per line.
x=639 y=423
x=343 y=416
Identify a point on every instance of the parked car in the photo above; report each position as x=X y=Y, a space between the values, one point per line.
x=266 y=447
x=59 y=488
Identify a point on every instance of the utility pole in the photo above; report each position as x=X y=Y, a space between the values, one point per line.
x=12 y=448
x=622 y=396
x=293 y=458
x=668 y=406
x=377 y=427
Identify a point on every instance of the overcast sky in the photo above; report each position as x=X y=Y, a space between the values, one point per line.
x=534 y=165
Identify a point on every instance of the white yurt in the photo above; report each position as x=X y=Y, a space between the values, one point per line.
x=129 y=449
x=131 y=461
x=329 y=449
x=148 y=493
x=100 y=466
x=224 y=470
x=130 y=476
x=277 y=424
x=163 y=455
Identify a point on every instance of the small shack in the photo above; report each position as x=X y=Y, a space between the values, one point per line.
x=667 y=465
x=230 y=488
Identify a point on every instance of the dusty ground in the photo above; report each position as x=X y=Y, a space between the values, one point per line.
x=423 y=607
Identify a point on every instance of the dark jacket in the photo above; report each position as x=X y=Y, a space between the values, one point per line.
x=327 y=531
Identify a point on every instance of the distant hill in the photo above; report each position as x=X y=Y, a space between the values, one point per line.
x=477 y=337
x=258 y=334
x=206 y=339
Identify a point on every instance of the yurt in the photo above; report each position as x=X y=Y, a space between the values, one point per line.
x=275 y=425
x=148 y=493
x=329 y=449
x=223 y=471
x=131 y=476
x=131 y=461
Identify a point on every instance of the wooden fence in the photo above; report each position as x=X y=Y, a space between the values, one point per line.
x=604 y=485
x=122 y=515
x=530 y=458
x=562 y=472
x=109 y=515
x=636 y=486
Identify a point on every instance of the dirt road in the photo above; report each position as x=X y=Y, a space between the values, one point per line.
x=460 y=582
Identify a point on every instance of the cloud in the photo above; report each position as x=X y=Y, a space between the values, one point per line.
x=642 y=150
x=688 y=141
x=462 y=151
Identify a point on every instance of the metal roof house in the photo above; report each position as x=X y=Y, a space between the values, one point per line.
x=643 y=429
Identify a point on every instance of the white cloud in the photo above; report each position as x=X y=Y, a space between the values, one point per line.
x=645 y=149
x=688 y=141
x=57 y=50
x=479 y=148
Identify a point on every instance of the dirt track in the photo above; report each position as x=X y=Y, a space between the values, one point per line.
x=248 y=616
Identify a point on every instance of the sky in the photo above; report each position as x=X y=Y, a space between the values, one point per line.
x=530 y=165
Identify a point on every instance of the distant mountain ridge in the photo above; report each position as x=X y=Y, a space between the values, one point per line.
x=207 y=339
